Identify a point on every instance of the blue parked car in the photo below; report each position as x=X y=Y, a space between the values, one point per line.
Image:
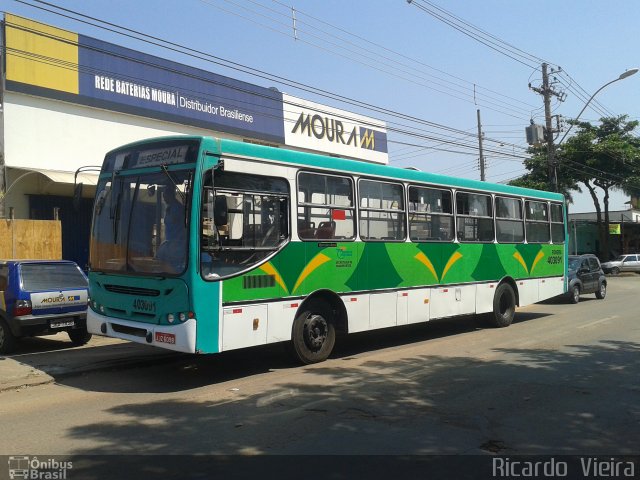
x=42 y=297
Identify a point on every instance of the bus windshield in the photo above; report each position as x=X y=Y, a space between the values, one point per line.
x=141 y=223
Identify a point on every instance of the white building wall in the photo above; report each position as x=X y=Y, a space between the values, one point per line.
x=46 y=134
x=42 y=133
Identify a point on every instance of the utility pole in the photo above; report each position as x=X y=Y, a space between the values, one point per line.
x=551 y=149
x=3 y=170
x=547 y=92
x=482 y=178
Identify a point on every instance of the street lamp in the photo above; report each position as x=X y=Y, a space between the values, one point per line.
x=623 y=75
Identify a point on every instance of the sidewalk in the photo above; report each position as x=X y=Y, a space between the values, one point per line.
x=39 y=362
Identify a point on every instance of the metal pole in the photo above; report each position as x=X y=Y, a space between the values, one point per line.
x=622 y=76
x=3 y=170
x=551 y=163
x=482 y=177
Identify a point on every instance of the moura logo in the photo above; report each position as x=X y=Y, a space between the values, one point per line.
x=333 y=130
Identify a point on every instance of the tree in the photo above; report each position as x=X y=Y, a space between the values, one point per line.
x=538 y=176
x=605 y=157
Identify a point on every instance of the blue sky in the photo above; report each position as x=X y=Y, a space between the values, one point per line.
x=394 y=55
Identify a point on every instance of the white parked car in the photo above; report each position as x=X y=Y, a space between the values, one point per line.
x=624 y=263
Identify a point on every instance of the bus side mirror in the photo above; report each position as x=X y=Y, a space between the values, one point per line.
x=220 y=211
x=77 y=196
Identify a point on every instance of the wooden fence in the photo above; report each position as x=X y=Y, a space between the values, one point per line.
x=37 y=239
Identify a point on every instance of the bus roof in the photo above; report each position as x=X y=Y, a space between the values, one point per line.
x=222 y=146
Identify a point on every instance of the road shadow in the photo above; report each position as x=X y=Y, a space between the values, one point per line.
x=521 y=401
x=118 y=364
x=49 y=343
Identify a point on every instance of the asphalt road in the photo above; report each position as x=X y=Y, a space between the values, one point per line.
x=563 y=379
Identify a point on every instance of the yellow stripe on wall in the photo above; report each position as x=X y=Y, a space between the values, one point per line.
x=39 y=55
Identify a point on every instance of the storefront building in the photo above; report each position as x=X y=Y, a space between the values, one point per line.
x=67 y=99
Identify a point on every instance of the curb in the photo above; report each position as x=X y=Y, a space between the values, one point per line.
x=16 y=375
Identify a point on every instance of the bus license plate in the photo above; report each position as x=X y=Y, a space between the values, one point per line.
x=162 y=337
x=62 y=323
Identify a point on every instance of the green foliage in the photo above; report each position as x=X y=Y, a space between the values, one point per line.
x=601 y=157
x=606 y=156
x=538 y=175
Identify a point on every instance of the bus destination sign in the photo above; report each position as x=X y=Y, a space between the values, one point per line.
x=162 y=156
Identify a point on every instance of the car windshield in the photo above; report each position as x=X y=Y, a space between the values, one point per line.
x=51 y=276
x=574 y=263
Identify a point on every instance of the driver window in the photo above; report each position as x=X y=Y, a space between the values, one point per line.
x=244 y=220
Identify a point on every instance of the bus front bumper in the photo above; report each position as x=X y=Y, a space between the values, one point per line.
x=180 y=337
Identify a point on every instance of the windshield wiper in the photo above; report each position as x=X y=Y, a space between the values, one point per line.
x=186 y=202
x=116 y=217
x=166 y=172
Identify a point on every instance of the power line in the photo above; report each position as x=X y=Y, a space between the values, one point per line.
x=477 y=34
x=400 y=129
x=175 y=47
x=201 y=55
x=391 y=63
x=584 y=95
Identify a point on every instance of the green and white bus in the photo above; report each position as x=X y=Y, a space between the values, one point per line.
x=205 y=245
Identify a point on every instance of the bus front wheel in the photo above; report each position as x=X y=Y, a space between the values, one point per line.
x=504 y=306
x=313 y=334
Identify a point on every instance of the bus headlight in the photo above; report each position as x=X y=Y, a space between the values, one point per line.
x=171 y=317
x=182 y=316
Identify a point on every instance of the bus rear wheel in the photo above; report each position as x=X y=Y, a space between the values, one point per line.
x=313 y=334
x=504 y=306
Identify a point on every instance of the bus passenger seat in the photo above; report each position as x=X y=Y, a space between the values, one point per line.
x=305 y=229
x=326 y=230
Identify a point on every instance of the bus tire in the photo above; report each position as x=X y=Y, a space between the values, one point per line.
x=313 y=334
x=504 y=306
x=7 y=339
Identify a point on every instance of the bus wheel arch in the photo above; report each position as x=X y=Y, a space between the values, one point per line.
x=335 y=303
x=505 y=300
x=313 y=332
x=514 y=286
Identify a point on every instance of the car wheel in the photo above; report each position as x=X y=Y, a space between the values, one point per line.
x=615 y=271
x=575 y=294
x=602 y=291
x=79 y=336
x=7 y=339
